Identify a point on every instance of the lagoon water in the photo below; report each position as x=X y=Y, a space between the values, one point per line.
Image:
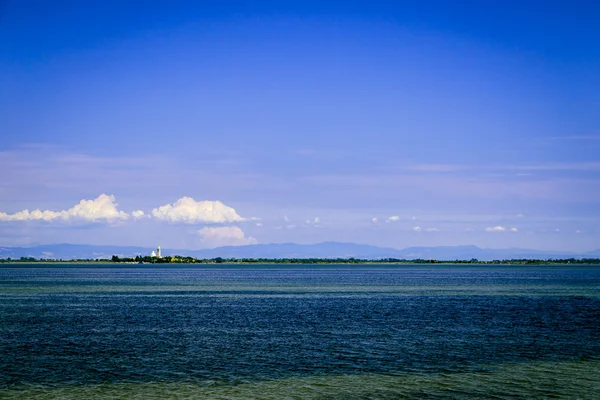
x=272 y=332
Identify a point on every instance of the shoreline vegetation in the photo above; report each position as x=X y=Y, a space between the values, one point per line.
x=141 y=260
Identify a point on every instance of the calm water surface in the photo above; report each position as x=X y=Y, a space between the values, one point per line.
x=300 y=332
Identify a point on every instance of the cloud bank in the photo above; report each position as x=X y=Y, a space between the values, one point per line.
x=190 y=211
x=224 y=236
x=102 y=208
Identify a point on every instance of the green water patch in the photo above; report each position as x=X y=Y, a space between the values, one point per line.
x=569 y=380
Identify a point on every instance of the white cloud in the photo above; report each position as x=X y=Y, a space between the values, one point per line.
x=190 y=211
x=375 y=220
x=137 y=214
x=101 y=208
x=495 y=229
x=419 y=229
x=393 y=218
x=224 y=236
x=259 y=224
x=577 y=231
x=520 y=215
x=285 y=218
x=500 y=228
x=413 y=218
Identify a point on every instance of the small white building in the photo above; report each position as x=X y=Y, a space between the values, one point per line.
x=156 y=253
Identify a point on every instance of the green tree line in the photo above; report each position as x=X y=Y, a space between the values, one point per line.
x=220 y=260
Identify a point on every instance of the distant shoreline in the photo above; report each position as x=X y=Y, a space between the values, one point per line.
x=291 y=262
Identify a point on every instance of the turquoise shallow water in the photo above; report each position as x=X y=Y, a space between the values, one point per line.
x=302 y=332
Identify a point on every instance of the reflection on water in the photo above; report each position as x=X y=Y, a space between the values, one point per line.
x=408 y=331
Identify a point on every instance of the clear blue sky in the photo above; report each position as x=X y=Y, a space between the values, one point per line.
x=388 y=123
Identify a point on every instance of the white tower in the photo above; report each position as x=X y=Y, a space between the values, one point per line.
x=158 y=252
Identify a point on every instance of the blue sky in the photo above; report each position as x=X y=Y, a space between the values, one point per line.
x=388 y=123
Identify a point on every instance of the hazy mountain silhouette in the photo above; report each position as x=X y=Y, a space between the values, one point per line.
x=292 y=250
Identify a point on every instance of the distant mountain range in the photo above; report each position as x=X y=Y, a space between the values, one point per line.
x=292 y=250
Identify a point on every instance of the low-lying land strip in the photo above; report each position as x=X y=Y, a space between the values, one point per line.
x=351 y=260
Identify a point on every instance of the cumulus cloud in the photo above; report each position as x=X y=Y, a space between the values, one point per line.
x=102 y=208
x=224 y=236
x=190 y=211
x=514 y=230
x=374 y=219
x=137 y=214
x=393 y=218
x=417 y=228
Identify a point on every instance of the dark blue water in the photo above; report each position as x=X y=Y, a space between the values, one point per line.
x=89 y=331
